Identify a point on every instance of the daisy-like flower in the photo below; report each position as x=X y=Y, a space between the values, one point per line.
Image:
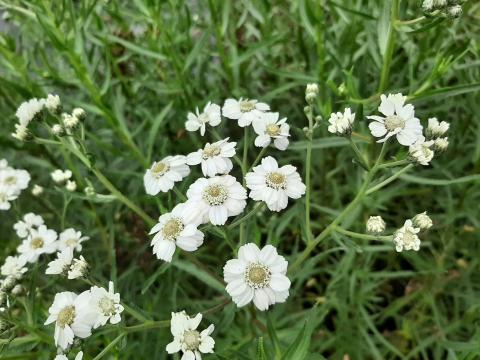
x=273 y=184
x=72 y=315
x=188 y=339
x=7 y=194
x=269 y=128
x=78 y=269
x=215 y=158
x=63 y=357
x=30 y=221
x=106 y=305
x=211 y=115
x=70 y=238
x=244 y=110
x=406 y=237
x=28 y=110
x=422 y=221
x=399 y=120
x=163 y=174
x=215 y=199
x=376 y=225
x=436 y=128
x=60 y=176
x=14 y=266
x=341 y=123
x=421 y=152
x=17 y=179
x=61 y=265
x=176 y=228
x=258 y=275
x=40 y=241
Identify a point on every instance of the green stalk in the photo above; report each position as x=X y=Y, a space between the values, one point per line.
x=361 y=236
x=389 y=180
x=387 y=56
x=308 y=167
x=244 y=172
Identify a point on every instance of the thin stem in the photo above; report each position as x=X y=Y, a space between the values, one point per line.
x=387 y=56
x=308 y=167
x=393 y=164
x=259 y=206
x=388 y=180
x=259 y=157
x=244 y=172
x=361 y=236
x=361 y=158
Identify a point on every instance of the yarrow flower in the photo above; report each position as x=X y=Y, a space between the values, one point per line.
x=258 y=276
x=37 y=190
x=79 y=356
x=61 y=265
x=176 y=228
x=341 y=123
x=17 y=179
x=421 y=152
x=244 y=110
x=399 y=120
x=40 y=241
x=422 y=221
x=440 y=144
x=268 y=127
x=7 y=195
x=406 y=237
x=273 y=184
x=376 y=225
x=78 y=269
x=71 y=238
x=188 y=339
x=30 y=221
x=215 y=158
x=216 y=199
x=69 y=121
x=53 y=103
x=14 y=266
x=71 y=185
x=163 y=174
x=211 y=115
x=60 y=176
x=21 y=132
x=436 y=128
x=106 y=305
x=29 y=110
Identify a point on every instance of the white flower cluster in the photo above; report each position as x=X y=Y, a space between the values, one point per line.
x=12 y=183
x=450 y=8
x=406 y=238
x=63 y=177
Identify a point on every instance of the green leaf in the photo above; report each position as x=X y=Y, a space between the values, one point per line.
x=261 y=355
x=440 y=182
x=384 y=26
x=200 y=274
x=446 y=92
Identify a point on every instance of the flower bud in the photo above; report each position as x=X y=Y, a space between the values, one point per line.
x=71 y=185
x=428 y=5
x=454 y=11
x=18 y=290
x=422 y=221
x=8 y=283
x=37 y=190
x=53 y=104
x=79 y=113
x=79 y=268
x=69 y=121
x=421 y=153
x=312 y=88
x=341 y=123
x=376 y=225
x=89 y=191
x=440 y=144
x=58 y=130
x=440 y=3
x=21 y=133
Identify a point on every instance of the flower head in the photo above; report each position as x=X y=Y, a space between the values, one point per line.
x=53 y=103
x=269 y=128
x=188 y=339
x=106 y=305
x=17 y=179
x=21 y=132
x=79 y=113
x=29 y=110
x=79 y=356
x=341 y=123
x=58 y=130
x=29 y=221
x=215 y=158
x=244 y=110
x=258 y=276
x=69 y=121
x=436 y=128
x=7 y=194
x=440 y=144
x=40 y=241
x=61 y=265
x=37 y=190
x=163 y=174
x=70 y=238
x=273 y=184
x=376 y=225
x=60 y=176
x=78 y=269
x=14 y=266
x=406 y=237
x=422 y=221
x=399 y=120
x=421 y=152
x=71 y=185
x=211 y=115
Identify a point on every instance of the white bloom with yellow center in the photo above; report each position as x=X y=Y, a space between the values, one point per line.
x=211 y=116
x=341 y=123
x=258 y=276
x=30 y=221
x=244 y=110
x=176 y=228
x=216 y=199
x=406 y=237
x=72 y=315
x=14 y=266
x=421 y=152
x=268 y=127
x=28 y=110
x=188 y=339
x=215 y=158
x=106 y=305
x=16 y=179
x=71 y=238
x=40 y=241
x=399 y=120
x=273 y=184
x=163 y=174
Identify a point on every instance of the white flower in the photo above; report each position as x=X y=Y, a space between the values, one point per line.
x=274 y=185
x=7 y=194
x=406 y=237
x=176 y=228
x=27 y=111
x=217 y=198
x=63 y=357
x=106 y=305
x=79 y=113
x=399 y=120
x=78 y=269
x=268 y=127
x=312 y=89
x=258 y=275
x=215 y=158
x=40 y=241
x=14 y=266
x=30 y=221
x=61 y=265
x=72 y=316
x=69 y=121
x=428 y=5
x=71 y=185
x=422 y=221
x=17 y=179
x=70 y=238
x=436 y=128
x=21 y=132
x=188 y=339
x=211 y=115
x=37 y=190
x=3 y=164
x=376 y=225
x=341 y=123
x=454 y=11
x=57 y=130
x=244 y=110
x=421 y=152
x=52 y=103
x=60 y=176
x=163 y=174
x=440 y=144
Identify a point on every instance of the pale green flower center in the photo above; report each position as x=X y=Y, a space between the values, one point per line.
x=247 y=105
x=10 y=180
x=107 y=306
x=210 y=151
x=394 y=122
x=273 y=130
x=66 y=316
x=36 y=243
x=71 y=242
x=160 y=168
x=276 y=180
x=191 y=338
x=204 y=118
x=215 y=194
x=172 y=229
x=257 y=275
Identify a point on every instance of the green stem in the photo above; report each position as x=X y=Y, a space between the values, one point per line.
x=259 y=157
x=308 y=167
x=393 y=164
x=361 y=236
x=244 y=172
x=359 y=155
x=388 y=180
x=387 y=56
x=259 y=206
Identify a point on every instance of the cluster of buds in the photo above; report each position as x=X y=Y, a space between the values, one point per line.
x=436 y=131
x=376 y=225
x=311 y=93
x=450 y=8
x=70 y=121
x=63 y=177
x=406 y=238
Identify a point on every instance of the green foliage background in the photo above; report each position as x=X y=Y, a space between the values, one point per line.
x=137 y=67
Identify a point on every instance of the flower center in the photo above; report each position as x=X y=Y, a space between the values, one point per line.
x=66 y=316
x=36 y=243
x=107 y=306
x=273 y=130
x=276 y=180
x=394 y=122
x=160 y=168
x=204 y=118
x=409 y=238
x=191 y=338
x=10 y=180
x=257 y=276
x=71 y=242
x=246 y=106
x=172 y=228
x=210 y=151
x=215 y=194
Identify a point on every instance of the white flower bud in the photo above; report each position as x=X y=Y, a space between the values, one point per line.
x=18 y=290
x=71 y=185
x=8 y=283
x=440 y=3
x=422 y=221
x=79 y=268
x=376 y=225
x=60 y=176
x=53 y=104
x=421 y=153
x=428 y=5
x=57 y=130
x=79 y=113
x=341 y=123
x=440 y=144
x=37 y=190
x=89 y=191
x=21 y=133
x=69 y=121
x=454 y=11
x=436 y=128
x=312 y=89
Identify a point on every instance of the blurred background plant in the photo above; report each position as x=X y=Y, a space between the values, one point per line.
x=137 y=67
